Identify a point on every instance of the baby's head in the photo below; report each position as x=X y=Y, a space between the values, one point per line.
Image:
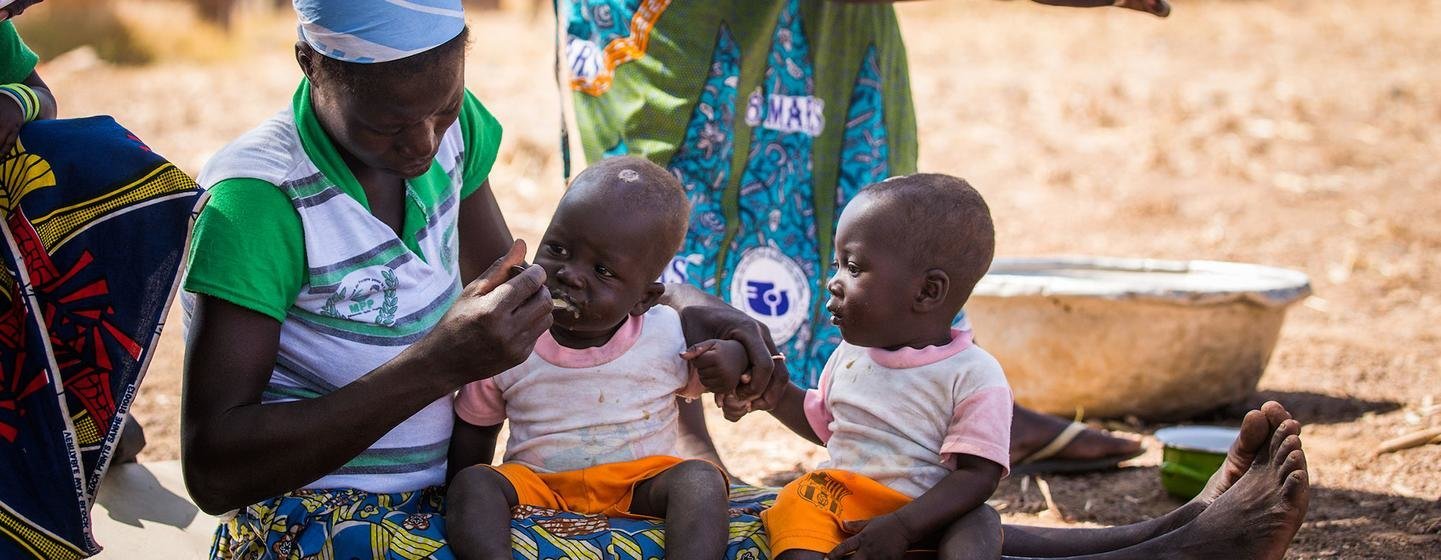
x=613 y=233
x=908 y=252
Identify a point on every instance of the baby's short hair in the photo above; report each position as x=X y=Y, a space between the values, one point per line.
x=643 y=190
x=947 y=224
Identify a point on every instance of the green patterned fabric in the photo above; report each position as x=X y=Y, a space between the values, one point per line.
x=772 y=113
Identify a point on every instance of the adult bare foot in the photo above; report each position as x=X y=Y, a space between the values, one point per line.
x=1259 y=514
x=1034 y=434
x=1255 y=429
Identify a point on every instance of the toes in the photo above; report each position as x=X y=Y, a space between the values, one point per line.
x=1290 y=443
x=1286 y=429
x=1254 y=428
x=1275 y=413
x=1297 y=484
x=1294 y=461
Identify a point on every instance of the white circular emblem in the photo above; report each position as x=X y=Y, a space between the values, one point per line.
x=770 y=286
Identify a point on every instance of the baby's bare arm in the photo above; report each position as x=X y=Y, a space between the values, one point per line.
x=471 y=445
x=972 y=483
x=960 y=492
x=790 y=409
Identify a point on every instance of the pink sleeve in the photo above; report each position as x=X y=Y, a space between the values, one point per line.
x=480 y=403
x=818 y=415
x=981 y=426
x=693 y=387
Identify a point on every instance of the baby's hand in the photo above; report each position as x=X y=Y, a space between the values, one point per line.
x=720 y=364
x=879 y=537
x=732 y=406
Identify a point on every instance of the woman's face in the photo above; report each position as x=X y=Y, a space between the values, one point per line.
x=391 y=125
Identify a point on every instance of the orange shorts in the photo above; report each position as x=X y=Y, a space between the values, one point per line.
x=600 y=490
x=810 y=510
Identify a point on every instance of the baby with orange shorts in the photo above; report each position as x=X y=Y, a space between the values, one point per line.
x=915 y=417
x=593 y=413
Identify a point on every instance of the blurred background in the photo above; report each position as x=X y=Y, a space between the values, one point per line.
x=1295 y=133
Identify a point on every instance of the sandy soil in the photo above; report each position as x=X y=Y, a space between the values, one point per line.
x=1294 y=133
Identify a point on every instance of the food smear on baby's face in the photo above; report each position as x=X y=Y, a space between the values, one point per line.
x=561 y=304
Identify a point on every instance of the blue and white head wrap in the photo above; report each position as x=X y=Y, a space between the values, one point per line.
x=368 y=31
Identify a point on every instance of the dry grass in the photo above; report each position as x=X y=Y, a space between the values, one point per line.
x=1291 y=132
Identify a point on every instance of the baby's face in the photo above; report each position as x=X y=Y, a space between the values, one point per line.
x=599 y=262
x=872 y=282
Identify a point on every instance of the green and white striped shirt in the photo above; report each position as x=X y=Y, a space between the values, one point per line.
x=287 y=232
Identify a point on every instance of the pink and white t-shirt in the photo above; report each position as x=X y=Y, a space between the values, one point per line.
x=571 y=409
x=899 y=417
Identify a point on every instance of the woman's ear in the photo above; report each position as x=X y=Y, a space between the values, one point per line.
x=935 y=286
x=305 y=57
x=653 y=293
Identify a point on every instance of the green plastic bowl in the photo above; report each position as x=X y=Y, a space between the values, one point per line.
x=1191 y=455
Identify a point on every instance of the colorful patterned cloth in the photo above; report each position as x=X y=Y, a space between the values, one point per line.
x=94 y=228
x=773 y=114
x=410 y=525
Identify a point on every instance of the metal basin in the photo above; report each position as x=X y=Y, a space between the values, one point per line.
x=1160 y=340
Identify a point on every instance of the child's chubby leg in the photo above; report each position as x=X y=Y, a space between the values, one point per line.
x=478 y=505
x=693 y=497
x=976 y=535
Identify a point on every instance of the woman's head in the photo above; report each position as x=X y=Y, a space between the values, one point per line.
x=386 y=80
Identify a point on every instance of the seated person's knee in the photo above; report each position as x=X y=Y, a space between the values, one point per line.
x=480 y=482
x=699 y=475
x=977 y=534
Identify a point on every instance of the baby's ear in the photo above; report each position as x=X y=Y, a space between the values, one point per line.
x=935 y=286
x=653 y=292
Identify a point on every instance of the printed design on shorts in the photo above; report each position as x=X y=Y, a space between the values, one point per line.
x=601 y=35
x=357 y=299
x=776 y=237
x=823 y=491
x=703 y=165
x=865 y=160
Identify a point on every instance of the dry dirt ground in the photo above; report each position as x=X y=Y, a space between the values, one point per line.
x=1297 y=133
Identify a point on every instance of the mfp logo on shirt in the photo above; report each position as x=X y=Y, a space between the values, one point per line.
x=773 y=289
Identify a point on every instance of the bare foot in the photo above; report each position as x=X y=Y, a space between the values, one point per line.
x=1259 y=513
x=1031 y=431
x=1255 y=429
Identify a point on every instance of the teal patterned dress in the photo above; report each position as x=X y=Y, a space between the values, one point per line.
x=773 y=114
